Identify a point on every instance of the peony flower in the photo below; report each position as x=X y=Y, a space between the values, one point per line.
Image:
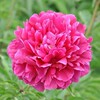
x=51 y=51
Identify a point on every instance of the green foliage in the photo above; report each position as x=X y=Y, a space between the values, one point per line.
x=12 y=14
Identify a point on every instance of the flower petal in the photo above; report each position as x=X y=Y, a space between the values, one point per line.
x=63 y=61
x=65 y=74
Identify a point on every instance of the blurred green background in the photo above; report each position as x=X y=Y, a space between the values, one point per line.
x=14 y=13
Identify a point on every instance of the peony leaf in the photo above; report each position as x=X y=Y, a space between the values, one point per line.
x=85 y=16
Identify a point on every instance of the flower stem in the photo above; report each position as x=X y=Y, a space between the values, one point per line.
x=27 y=88
x=93 y=17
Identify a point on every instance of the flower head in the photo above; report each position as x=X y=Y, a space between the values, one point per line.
x=51 y=51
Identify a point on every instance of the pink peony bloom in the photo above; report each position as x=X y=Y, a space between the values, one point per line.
x=51 y=51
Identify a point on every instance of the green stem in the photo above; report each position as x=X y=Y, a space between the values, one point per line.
x=27 y=88
x=93 y=17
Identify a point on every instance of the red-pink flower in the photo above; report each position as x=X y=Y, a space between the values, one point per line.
x=51 y=51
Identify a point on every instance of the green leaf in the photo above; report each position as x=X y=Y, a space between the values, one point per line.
x=61 y=5
x=85 y=16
